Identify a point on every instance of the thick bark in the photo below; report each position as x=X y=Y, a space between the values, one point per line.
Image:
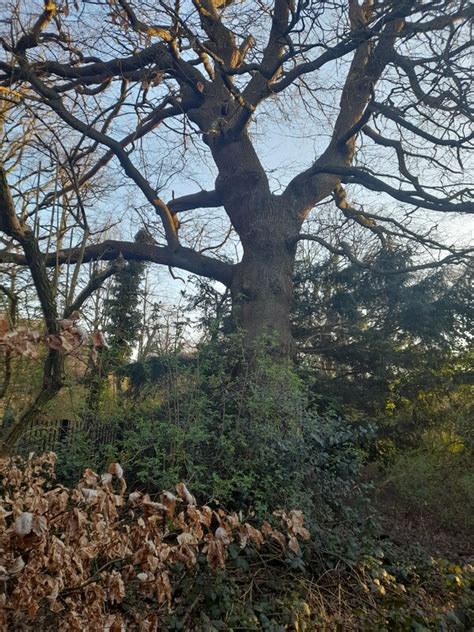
x=262 y=296
x=262 y=283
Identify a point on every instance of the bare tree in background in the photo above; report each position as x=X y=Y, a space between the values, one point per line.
x=28 y=235
x=385 y=83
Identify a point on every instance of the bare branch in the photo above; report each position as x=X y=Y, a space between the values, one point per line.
x=202 y=199
x=344 y=250
x=95 y=282
x=109 y=250
x=418 y=198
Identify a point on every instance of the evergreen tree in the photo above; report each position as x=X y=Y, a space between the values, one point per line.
x=360 y=333
x=123 y=318
x=122 y=328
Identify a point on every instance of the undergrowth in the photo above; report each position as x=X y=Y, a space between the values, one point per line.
x=96 y=557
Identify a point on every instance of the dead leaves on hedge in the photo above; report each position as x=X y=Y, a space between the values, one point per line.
x=25 y=342
x=76 y=557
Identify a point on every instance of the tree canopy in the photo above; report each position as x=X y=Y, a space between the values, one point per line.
x=123 y=115
x=148 y=88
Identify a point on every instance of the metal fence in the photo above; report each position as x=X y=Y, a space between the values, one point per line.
x=51 y=435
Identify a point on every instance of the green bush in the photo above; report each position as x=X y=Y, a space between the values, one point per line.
x=74 y=455
x=249 y=442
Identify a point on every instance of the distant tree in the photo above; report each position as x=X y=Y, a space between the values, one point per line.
x=46 y=286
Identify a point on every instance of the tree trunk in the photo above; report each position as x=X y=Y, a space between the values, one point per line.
x=268 y=225
x=262 y=285
x=262 y=297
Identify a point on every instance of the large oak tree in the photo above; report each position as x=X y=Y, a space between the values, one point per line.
x=389 y=76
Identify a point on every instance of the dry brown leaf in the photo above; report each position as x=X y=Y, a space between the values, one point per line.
x=163 y=588
x=215 y=555
x=134 y=498
x=106 y=479
x=115 y=587
x=266 y=528
x=293 y=545
x=143 y=577
x=169 y=501
x=24 y=524
x=187 y=538
x=40 y=526
x=184 y=494
x=98 y=340
x=222 y=535
x=90 y=495
x=152 y=507
x=116 y=470
x=16 y=566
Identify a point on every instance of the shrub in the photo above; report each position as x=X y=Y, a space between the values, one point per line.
x=90 y=558
x=250 y=442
